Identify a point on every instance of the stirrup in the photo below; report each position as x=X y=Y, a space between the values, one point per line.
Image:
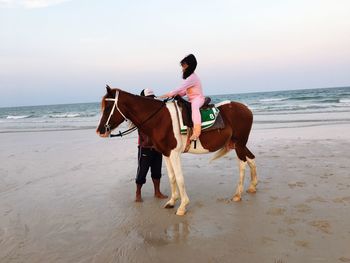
x=194 y=138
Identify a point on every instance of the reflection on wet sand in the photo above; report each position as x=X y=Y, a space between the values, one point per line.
x=178 y=232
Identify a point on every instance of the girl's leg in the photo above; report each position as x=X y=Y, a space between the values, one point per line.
x=196 y=117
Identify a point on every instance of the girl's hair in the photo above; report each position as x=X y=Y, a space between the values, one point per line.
x=191 y=61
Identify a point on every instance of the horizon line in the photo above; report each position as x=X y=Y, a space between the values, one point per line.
x=249 y=92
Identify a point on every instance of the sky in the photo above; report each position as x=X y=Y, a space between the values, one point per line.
x=66 y=51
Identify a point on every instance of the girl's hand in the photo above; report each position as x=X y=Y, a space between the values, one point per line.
x=164 y=96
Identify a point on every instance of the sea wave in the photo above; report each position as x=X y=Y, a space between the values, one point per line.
x=272 y=105
x=292 y=107
x=328 y=101
x=65 y=115
x=273 y=99
x=16 y=117
x=307 y=97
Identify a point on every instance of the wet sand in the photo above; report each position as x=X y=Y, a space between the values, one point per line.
x=68 y=196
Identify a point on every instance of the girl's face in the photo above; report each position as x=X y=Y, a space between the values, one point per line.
x=184 y=67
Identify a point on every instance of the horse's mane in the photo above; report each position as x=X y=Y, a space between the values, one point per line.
x=103 y=101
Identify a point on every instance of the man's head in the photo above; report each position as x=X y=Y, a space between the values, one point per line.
x=147 y=93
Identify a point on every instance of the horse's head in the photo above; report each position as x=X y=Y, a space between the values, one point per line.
x=111 y=116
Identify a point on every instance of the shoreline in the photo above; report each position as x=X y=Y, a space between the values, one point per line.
x=258 y=125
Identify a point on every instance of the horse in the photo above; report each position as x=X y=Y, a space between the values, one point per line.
x=160 y=121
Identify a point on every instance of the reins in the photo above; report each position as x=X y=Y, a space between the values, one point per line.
x=121 y=134
x=128 y=131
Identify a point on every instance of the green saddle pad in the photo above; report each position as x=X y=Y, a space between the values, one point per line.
x=208 y=117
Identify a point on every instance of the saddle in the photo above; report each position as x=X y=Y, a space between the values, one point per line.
x=186 y=112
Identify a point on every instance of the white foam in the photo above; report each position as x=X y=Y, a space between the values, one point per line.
x=65 y=115
x=14 y=117
x=272 y=99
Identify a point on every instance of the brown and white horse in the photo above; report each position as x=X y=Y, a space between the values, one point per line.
x=160 y=121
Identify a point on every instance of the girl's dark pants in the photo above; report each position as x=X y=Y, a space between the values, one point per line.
x=148 y=158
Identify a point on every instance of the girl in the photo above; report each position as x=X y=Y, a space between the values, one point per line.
x=191 y=87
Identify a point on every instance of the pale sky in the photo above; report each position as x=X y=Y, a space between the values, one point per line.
x=65 y=51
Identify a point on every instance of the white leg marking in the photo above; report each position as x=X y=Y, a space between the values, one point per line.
x=253 y=176
x=240 y=186
x=176 y=164
x=172 y=180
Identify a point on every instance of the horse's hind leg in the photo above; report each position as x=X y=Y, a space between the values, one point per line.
x=242 y=162
x=173 y=187
x=238 y=195
x=253 y=176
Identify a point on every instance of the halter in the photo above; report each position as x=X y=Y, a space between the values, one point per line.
x=115 y=106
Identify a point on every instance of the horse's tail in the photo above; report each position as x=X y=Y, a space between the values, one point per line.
x=220 y=153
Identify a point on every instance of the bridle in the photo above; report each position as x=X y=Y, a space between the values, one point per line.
x=115 y=106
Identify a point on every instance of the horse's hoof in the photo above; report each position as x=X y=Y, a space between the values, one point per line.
x=251 y=190
x=168 y=206
x=181 y=212
x=236 y=198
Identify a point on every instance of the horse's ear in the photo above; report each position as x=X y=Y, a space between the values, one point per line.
x=109 y=90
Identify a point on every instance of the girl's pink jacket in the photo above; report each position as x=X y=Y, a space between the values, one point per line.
x=191 y=87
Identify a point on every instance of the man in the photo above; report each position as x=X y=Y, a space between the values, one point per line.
x=148 y=157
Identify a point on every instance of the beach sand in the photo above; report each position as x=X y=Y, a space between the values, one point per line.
x=68 y=196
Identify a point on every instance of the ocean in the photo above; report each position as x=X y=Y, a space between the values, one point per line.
x=276 y=109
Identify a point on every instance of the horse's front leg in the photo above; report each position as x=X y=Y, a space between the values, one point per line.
x=172 y=180
x=176 y=164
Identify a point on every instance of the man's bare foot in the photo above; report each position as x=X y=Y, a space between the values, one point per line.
x=138 y=199
x=138 y=193
x=160 y=195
